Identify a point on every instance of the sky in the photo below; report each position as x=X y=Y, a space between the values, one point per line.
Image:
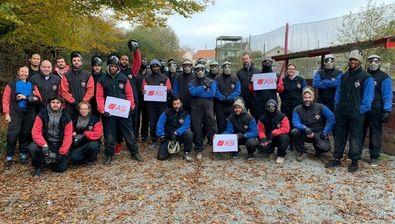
x=252 y=17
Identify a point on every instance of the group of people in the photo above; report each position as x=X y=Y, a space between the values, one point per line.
x=58 y=114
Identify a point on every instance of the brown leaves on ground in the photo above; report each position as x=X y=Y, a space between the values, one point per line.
x=211 y=191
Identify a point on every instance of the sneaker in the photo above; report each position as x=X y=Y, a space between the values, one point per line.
x=107 y=160
x=250 y=156
x=353 y=167
x=235 y=155
x=199 y=156
x=188 y=157
x=8 y=164
x=333 y=163
x=300 y=157
x=374 y=162
x=137 y=157
x=118 y=148
x=37 y=172
x=23 y=158
x=280 y=160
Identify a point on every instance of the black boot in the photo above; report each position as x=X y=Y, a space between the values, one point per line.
x=136 y=156
x=353 y=167
x=333 y=163
x=37 y=172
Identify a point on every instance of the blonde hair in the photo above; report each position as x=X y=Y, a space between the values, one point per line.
x=84 y=103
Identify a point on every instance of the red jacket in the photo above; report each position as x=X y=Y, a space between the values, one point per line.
x=39 y=132
x=136 y=62
x=94 y=130
x=281 y=126
x=77 y=87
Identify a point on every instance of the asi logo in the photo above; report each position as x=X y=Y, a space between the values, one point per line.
x=155 y=93
x=226 y=143
x=114 y=106
x=265 y=81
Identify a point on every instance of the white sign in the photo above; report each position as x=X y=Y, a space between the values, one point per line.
x=117 y=107
x=225 y=143
x=264 y=81
x=155 y=93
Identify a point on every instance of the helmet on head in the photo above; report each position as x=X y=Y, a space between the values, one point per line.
x=200 y=70
x=374 y=62
x=329 y=61
x=355 y=54
x=227 y=68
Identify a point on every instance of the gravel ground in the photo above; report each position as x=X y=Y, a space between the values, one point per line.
x=216 y=190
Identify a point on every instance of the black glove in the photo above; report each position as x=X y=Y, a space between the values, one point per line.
x=106 y=114
x=75 y=105
x=240 y=136
x=386 y=117
x=323 y=135
x=133 y=45
x=45 y=150
x=229 y=102
x=32 y=99
x=173 y=137
x=263 y=141
x=295 y=132
x=77 y=139
x=207 y=84
x=60 y=158
x=308 y=131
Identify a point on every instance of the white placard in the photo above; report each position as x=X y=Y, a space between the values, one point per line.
x=264 y=81
x=117 y=107
x=225 y=143
x=155 y=93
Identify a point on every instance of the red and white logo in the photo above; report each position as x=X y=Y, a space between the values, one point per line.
x=155 y=93
x=225 y=143
x=266 y=81
x=113 y=106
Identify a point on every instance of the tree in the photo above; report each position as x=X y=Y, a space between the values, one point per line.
x=371 y=22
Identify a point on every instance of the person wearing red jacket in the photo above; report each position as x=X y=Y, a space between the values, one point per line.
x=273 y=129
x=88 y=130
x=61 y=68
x=76 y=85
x=52 y=137
x=116 y=85
x=19 y=113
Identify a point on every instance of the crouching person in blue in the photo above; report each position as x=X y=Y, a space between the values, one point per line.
x=88 y=130
x=52 y=137
x=243 y=124
x=313 y=122
x=174 y=126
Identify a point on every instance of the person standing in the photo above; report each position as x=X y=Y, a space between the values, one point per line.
x=381 y=108
x=76 y=85
x=354 y=96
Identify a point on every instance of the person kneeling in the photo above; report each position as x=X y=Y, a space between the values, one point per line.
x=273 y=129
x=174 y=126
x=313 y=122
x=52 y=137
x=242 y=124
x=88 y=130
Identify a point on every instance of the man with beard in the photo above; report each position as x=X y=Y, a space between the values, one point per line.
x=245 y=75
x=61 y=68
x=262 y=96
x=115 y=85
x=155 y=109
x=228 y=88
x=325 y=81
x=381 y=108
x=273 y=129
x=243 y=124
x=52 y=137
x=202 y=90
x=174 y=126
x=76 y=85
x=354 y=96
x=313 y=122
x=181 y=84
x=34 y=68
